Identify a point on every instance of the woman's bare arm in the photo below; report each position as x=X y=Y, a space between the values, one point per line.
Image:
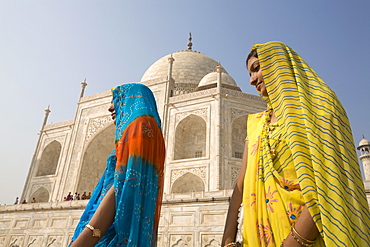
x=235 y=201
x=102 y=220
x=305 y=226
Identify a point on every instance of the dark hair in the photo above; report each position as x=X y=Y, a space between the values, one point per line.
x=253 y=53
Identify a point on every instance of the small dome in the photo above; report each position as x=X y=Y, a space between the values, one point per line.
x=211 y=78
x=188 y=67
x=364 y=142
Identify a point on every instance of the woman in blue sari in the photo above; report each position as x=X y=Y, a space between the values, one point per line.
x=124 y=209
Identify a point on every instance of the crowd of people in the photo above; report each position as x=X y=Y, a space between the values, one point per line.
x=77 y=196
x=24 y=201
x=69 y=197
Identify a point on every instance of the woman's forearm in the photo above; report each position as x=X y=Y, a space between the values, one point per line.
x=102 y=220
x=232 y=217
x=305 y=226
x=231 y=224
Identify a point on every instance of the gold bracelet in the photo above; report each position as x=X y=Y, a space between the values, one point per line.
x=232 y=244
x=96 y=233
x=299 y=241
x=301 y=237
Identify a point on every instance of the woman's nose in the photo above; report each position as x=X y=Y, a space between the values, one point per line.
x=253 y=80
x=111 y=108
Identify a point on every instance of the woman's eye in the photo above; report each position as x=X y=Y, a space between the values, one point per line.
x=257 y=68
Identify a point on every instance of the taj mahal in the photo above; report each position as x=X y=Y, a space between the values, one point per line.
x=203 y=114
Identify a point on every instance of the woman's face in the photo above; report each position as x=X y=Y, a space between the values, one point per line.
x=256 y=78
x=112 y=111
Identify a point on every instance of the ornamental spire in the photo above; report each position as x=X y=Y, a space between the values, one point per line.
x=83 y=86
x=190 y=44
x=47 y=111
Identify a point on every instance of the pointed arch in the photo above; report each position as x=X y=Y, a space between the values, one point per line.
x=49 y=159
x=41 y=195
x=188 y=182
x=238 y=135
x=95 y=158
x=190 y=138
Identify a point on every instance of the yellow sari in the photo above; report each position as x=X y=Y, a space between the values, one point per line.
x=307 y=159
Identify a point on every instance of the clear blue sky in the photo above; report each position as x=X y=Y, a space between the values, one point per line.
x=47 y=48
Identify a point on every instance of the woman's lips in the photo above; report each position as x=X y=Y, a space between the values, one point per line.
x=258 y=85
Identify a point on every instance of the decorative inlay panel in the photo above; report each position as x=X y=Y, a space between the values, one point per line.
x=39 y=223
x=59 y=139
x=242 y=95
x=54 y=241
x=21 y=223
x=75 y=222
x=2 y=240
x=193 y=95
x=35 y=240
x=16 y=240
x=234 y=174
x=177 y=240
x=4 y=224
x=199 y=171
x=235 y=113
x=209 y=218
x=35 y=187
x=209 y=240
x=203 y=112
x=95 y=124
x=58 y=223
x=182 y=219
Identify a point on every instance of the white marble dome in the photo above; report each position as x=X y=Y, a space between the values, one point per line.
x=189 y=67
x=211 y=78
x=364 y=142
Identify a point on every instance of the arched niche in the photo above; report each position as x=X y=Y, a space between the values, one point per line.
x=188 y=182
x=49 y=159
x=95 y=159
x=238 y=135
x=41 y=195
x=364 y=150
x=190 y=138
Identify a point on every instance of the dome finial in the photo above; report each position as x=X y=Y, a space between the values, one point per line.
x=190 y=44
x=219 y=68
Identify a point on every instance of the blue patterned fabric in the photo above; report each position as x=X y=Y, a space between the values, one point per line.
x=135 y=170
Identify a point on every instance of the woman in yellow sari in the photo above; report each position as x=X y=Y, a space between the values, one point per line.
x=300 y=182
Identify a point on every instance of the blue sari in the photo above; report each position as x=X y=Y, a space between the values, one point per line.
x=135 y=169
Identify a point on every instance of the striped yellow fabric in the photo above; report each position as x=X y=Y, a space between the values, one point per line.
x=320 y=139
